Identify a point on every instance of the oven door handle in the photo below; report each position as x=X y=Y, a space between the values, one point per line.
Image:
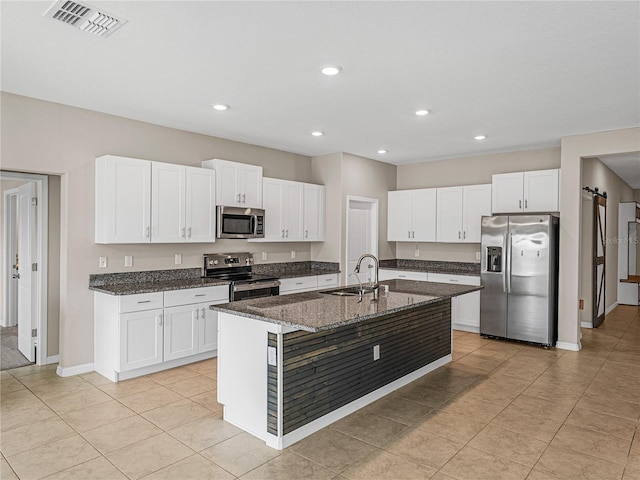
x=243 y=287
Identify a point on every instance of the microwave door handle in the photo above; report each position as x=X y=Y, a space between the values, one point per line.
x=254 y=225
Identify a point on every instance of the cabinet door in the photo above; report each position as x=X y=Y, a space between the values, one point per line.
x=293 y=211
x=208 y=328
x=123 y=200
x=140 y=339
x=449 y=216
x=200 y=205
x=507 y=193
x=167 y=203
x=273 y=221
x=541 y=191
x=476 y=202
x=313 y=212
x=468 y=311
x=227 y=174
x=423 y=215
x=399 y=216
x=181 y=331
x=250 y=186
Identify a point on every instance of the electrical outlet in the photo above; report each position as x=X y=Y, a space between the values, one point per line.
x=177 y=259
x=417 y=253
x=102 y=262
x=264 y=255
x=128 y=261
x=293 y=254
x=477 y=255
x=376 y=352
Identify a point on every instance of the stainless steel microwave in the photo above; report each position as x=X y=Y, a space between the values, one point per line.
x=239 y=222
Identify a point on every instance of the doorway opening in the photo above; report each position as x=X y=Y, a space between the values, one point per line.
x=23 y=316
x=361 y=236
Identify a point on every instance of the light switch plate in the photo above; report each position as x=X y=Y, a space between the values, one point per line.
x=177 y=259
x=417 y=253
x=264 y=255
x=272 y=354
x=293 y=254
x=102 y=263
x=128 y=260
x=477 y=255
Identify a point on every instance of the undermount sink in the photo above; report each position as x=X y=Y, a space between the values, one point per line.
x=345 y=291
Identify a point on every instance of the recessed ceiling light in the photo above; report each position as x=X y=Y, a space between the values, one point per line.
x=422 y=113
x=331 y=70
x=317 y=134
x=382 y=151
x=220 y=107
x=480 y=137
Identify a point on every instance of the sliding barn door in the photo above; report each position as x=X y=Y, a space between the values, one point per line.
x=599 y=255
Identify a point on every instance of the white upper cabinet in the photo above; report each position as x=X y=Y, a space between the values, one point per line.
x=237 y=184
x=139 y=201
x=411 y=215
x=535 y=191
x=123 y=200
x=283 y=210
x=314 y=212
x=182 y=204
x=459 y=212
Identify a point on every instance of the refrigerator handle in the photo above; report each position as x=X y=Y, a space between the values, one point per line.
x=507 y=273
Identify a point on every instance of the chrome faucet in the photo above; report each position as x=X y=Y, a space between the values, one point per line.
x=375 y=288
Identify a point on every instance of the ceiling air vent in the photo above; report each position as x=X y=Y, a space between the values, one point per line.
x=84 y=17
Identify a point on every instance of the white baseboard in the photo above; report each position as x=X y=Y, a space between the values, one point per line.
x=465 y=328
x=52 y=359
x=575 y=347
x=75 y=370
x=611 y=308
x=586 y=324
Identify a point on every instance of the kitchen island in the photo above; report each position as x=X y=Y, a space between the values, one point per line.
x=291 y=365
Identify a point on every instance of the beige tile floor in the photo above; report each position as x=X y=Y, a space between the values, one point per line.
x=500 y=410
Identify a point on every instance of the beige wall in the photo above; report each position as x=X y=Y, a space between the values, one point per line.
x=465 y=171
x=43 y=137
x=573 y=150
x=346 y=175
x=597 y=174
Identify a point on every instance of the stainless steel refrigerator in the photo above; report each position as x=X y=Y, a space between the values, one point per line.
x=519 y=273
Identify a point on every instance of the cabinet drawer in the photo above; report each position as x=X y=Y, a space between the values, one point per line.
x=328 y=280
x=460 y=279
x=196 y=295
x=140 y=301
x=298 y=284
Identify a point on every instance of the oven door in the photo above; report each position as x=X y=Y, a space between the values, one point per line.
x=235 y=222
x=242 y=291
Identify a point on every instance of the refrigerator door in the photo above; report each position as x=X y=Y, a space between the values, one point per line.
x=493 y=297
x=528 y=285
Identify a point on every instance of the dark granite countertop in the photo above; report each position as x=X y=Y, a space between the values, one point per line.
x=432 y=266
x=316 y=311
x=155 y=286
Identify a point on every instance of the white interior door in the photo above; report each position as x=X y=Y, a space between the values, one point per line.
x=26 y=279
x=362 y=231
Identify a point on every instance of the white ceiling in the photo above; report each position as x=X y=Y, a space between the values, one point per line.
x=626 y=166
x=523 y=73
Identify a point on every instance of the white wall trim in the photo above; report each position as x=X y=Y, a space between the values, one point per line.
x=9 y=247
x=611 y=308
x=75 y=370
x=586 y=324
x=42 y=182
x=574 y=347
x=53 y=359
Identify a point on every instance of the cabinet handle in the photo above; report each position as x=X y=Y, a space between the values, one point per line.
x=196 y=313
x=453 y=280
x=413 y=234
x=244 y=198
x=306 y=234
x=287 y=233
x=283 y=233
x=409 y=234
x=200 y=295
x=519 y=203
x=183 y=234
x=144 y=301
x=203 y=314
x=238 y=198
x=459 y=236
x=159 y=317
x=147 y=232
x=526 y=203
x=464 y=235
x=189 y=232
x=299 y=283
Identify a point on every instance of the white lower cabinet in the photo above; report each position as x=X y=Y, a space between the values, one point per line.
x=307 y=284
x=139 y=334
x=390 y=274
x=465 y=309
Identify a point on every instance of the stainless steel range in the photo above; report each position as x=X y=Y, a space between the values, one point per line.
x=236 y=269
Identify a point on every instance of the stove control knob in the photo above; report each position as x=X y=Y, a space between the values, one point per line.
x=215 y=262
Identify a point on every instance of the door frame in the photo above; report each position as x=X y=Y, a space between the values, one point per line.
x=9 y=249
x=42 y=242
x=374 y=218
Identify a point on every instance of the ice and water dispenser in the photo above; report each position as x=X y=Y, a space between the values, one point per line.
x=494 y=259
